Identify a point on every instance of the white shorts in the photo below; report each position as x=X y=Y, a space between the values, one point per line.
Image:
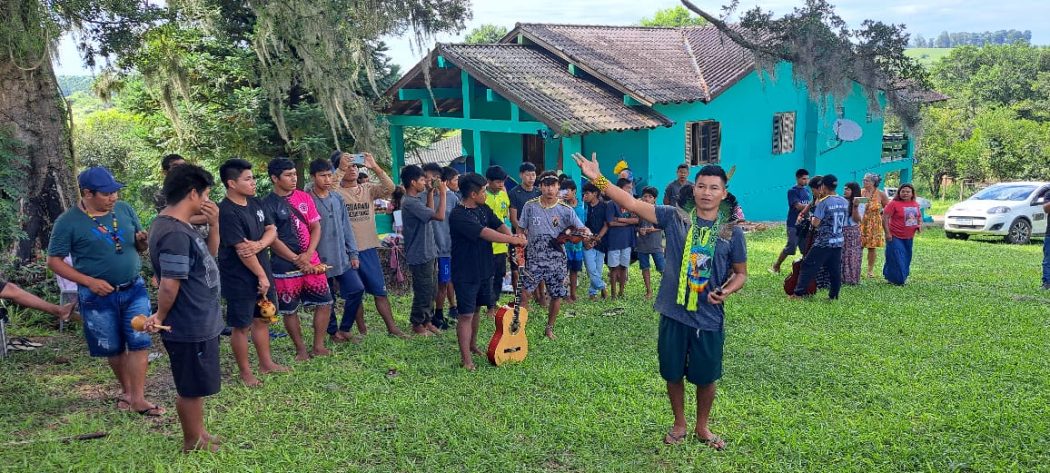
x=619 y=257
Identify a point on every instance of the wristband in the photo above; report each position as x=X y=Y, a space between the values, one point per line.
x=601 y=183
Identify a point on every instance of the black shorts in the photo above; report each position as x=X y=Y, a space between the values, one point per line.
x=689 y=352
x=240 y=312
x=195 y=367
x=471 y=296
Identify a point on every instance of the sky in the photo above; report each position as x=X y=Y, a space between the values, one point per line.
x=926 y=17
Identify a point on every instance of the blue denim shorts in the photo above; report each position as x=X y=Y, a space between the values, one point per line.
x=107 y=319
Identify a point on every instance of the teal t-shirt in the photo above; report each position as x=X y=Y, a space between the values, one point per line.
x=93 y=250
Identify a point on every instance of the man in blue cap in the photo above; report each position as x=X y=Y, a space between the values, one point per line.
x=104 y=238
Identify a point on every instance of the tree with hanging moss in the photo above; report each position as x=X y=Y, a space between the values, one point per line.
x=829 y=56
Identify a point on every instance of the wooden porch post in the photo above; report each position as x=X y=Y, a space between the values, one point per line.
x=397 y=152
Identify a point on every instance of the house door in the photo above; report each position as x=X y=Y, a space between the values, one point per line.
x=532 y=151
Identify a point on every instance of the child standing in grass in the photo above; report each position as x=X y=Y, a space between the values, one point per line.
x=573 y=251
x=706 y=249
x=474 y=227
x=621 y=235
x=188 y=298
x=650 y=244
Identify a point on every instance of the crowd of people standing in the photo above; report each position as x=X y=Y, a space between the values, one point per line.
x=268 y=258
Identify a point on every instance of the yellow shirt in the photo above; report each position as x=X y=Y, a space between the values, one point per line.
x=500 y=205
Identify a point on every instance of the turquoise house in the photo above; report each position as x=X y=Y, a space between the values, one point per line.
x=653 y=97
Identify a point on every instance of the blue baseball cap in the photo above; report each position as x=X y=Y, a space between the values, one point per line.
x=99 y=179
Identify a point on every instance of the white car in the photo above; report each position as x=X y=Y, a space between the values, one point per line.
x=1012 y=210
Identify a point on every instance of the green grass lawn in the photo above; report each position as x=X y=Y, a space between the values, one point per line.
x=927 y=56
x=949 y=373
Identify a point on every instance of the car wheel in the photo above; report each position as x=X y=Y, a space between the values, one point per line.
x=1020 y=232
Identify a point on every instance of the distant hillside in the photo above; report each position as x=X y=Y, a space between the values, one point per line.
x=927 y=56
x=71 y=84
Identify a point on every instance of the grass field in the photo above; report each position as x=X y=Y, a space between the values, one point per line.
x=927 y=56
x=949 y=373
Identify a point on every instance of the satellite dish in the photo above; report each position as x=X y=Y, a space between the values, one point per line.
x=847 y=130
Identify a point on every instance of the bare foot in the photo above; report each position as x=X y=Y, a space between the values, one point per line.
x=433 y=329
x=273 y=368
x=302 y=356
x=421 y=331
x=469 y=365
x=203 y=443
x=340 y=337
x=320 y=352
x=250 y=380
x=397 y=333
x=215 y=439
x=65 y=311
x=549 y=333
x=649 y=295
x=477 y=351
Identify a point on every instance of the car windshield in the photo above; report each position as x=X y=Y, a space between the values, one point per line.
x=1013 y=192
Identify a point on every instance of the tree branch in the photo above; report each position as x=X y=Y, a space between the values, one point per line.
x=735 y=35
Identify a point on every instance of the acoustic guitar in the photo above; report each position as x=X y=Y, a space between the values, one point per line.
x=509 y=343
x=791 y=282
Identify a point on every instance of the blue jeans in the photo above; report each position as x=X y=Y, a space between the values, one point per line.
x=352 y=291
x=107 y=319
x=595 y=261
x=1046 y=260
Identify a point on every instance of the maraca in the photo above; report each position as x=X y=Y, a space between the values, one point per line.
x=267 y=310
x=138 y=323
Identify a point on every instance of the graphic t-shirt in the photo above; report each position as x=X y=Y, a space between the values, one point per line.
x=177 y=251
x=292 y=230
x=730 y=251
x=471 y=254
x=544 y=225
x=500 y=205
x=833 y=212
x=905 y=218
x=236 y=224
x=91 y=243
x=360 y=208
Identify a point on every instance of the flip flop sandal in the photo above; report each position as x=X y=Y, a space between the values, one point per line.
x=28 y=342
x=714 y=442
x=152 y=411
x=672 y=439
x=18 y=344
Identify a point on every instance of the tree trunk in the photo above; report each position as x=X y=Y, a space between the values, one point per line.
x=33 y=111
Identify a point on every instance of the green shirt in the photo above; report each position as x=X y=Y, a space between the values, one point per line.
x=92 y=247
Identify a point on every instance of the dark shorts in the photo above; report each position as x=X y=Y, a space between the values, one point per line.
x=499 y=269
x=444 y=269
x=575 y=266
x=472 y=296
x=241 y=310
x=792 y=241
x=688 y=352
x=195 y=367
x=371 y=272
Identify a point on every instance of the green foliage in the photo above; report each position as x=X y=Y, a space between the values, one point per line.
x=886 y=379
x=828 y=56
x=486 y=34
x=673 y=17
x=996 y=125
x=12 y=188
x=950 y=40
x=73 y=84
